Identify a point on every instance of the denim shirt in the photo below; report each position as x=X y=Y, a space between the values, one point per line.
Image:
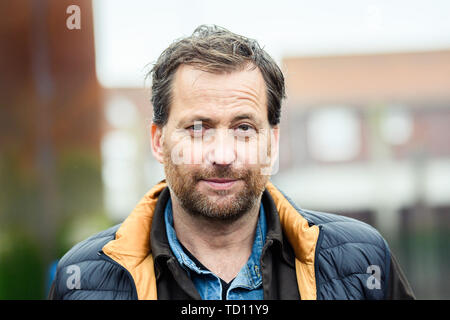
x=248 y=283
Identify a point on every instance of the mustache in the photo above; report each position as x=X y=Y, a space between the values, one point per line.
x=221 y=172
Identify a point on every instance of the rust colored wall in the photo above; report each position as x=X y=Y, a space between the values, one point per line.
x=423 y=76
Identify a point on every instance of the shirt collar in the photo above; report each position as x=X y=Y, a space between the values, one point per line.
x=175 y=245
x=248 y=277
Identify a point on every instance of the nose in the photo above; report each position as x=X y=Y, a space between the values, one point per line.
x=222 y=148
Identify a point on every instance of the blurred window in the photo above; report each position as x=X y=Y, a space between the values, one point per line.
x=120 y=153
x=333 y=134
x=293 y=153
x=397 y=126
x=121 y=113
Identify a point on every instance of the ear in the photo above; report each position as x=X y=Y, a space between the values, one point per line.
x=157 y=138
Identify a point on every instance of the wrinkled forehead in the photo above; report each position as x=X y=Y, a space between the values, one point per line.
x=195 y=90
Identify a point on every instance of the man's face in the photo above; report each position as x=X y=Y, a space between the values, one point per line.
x=216 y=146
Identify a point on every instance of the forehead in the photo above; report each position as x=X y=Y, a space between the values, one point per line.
x=219 y=95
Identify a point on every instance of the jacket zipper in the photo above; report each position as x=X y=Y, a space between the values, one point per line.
x=102 y=255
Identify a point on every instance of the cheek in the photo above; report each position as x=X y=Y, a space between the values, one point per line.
x=182 y=173
x=246 y=151
x=185 y=151
x=254 y=152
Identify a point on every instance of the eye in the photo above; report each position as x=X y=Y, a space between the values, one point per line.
x=196 y=128
x=244 y=127
x=245 y=130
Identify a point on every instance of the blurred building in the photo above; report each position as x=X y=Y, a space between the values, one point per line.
x=48 y=76
x=368 y=136
x=50 y=133
x=368 y=133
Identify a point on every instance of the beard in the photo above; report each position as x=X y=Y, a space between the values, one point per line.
x=228 y=205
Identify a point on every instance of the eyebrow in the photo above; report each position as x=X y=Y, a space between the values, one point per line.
x=194 y=118
x=248 y=116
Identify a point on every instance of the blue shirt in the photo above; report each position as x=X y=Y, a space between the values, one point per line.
x=248 y=283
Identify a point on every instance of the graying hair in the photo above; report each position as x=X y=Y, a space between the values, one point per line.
x=214 y=49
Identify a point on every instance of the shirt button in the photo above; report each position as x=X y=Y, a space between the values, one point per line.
x=257 y=271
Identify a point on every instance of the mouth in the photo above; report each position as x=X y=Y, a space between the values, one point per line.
x=220 y=183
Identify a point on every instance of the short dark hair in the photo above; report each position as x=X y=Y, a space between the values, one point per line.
x=214 y=49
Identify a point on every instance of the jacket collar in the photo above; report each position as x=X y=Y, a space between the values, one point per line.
x=131 y=247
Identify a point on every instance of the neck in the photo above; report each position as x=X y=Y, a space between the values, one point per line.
x=212 y=242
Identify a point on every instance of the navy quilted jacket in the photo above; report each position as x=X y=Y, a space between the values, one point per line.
x=351 y=260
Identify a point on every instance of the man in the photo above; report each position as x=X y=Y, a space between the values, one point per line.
x=217 y=228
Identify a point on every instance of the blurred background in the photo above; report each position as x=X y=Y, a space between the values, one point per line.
x=365 y=131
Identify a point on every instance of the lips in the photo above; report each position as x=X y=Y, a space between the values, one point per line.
x=220 y=183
